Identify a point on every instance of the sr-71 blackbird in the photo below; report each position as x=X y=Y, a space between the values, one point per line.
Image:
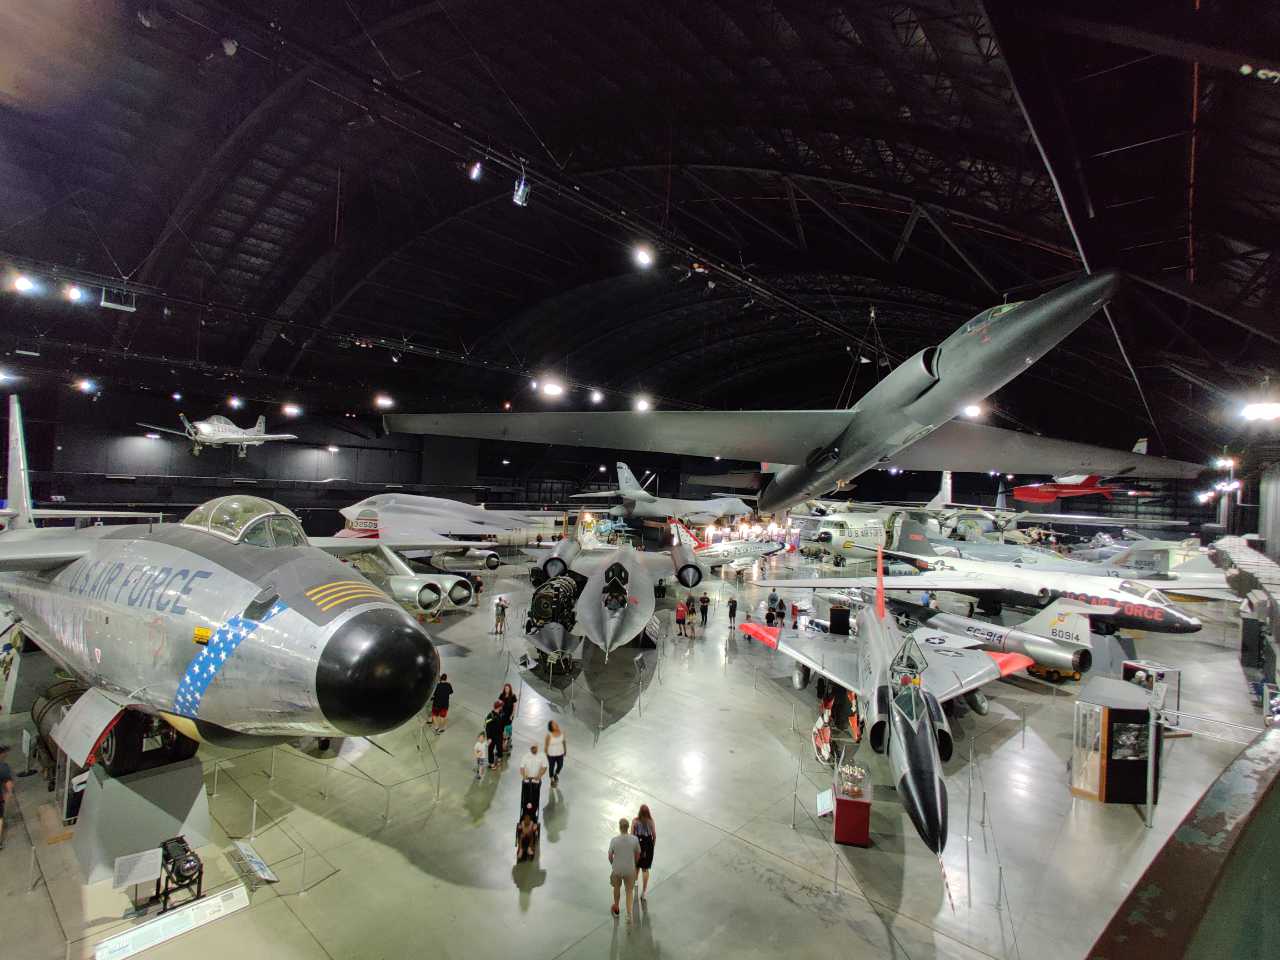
x=905 y=420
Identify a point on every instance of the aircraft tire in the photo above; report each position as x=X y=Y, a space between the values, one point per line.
x=121 y=751
x=182 y=748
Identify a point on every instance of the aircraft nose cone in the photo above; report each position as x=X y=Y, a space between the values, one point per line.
x=925 y=800
x=375 y=672
x=1068 y=306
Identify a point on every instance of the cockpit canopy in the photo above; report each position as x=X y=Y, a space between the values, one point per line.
x=1149 y=594
x=246 y=519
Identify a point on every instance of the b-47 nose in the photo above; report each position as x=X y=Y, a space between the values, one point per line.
x=375 y=672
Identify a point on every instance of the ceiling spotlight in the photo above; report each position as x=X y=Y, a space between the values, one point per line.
x=383 y=402
x=1224 y=463
x=601 y=468
x=1008 y=476
x=86 y=385
x=475 y=171
x=73 y=293
x=717 y=458
x=643 y=255
x=520 y=192
x=176 y=396
x=24 y=284
x=331 y=448
x=894 y=471
x=291 y=410
x=153 y=436
x=235 y=403
x=5 y=377
x=395 y=358
x=596 y=396
x=506 y=463
x=506 y=405
x=1204 y=496
x=1257 y=411
x=992 y=473
x=552 y=389
x=972 y=410
x=642 y=404
x=533 y=384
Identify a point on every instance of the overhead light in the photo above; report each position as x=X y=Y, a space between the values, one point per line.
x=602 y=468
x=643 y=255
x=475 y=171
x=383 y=402
x=153 y=436
x=73 y=293
x=552 y=389
x=176 y=396
x=506 y=405
x=1224 y=463
x=596 y=396
x=717 y=458
x=992 y=473
x=894 y=471
x=506 y=463
x=235 y=403
x=972 y=410
x=642 y=404
x=291 y=410
x=24 y=284
x=5 y=377
x=533 y=384
x=1204 y=496
x=1008 y=476
x=520 y=192
x=85 y=385
x=331 y=448
x=395 y=358
x=1261 y=411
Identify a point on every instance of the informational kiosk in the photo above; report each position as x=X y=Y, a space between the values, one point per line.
x=1111 y=744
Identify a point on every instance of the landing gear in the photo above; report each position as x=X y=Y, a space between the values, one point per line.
x=977 y=702
x=121 y=750
x=800 y=676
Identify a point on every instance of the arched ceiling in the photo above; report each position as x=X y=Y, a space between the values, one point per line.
x=282 y=187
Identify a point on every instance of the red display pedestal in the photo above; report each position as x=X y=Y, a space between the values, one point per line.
x=853 y=821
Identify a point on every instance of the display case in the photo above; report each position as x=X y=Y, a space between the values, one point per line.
x=1111 y=741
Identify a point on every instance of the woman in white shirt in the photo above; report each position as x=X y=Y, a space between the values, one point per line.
x=554 y=748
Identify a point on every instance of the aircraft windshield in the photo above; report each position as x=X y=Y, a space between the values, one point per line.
x=1155 y=596
x=910 y=702
x=1128 y=586
x=233 y=519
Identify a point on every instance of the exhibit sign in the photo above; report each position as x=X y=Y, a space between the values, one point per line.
x=135 y=868
x=173 y=924
x=79 y=732
x=254 y=862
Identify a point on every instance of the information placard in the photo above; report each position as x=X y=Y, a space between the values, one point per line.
x=174 y=924
x=255 y=862
x=136 y=868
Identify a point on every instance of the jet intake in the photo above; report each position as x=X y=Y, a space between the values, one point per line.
x=686 y=568
x=941 y=729
x=910 y=381
x=460 y=593
x=821 y=459
x=562 y=556
x=878 y=723
x=429 y=597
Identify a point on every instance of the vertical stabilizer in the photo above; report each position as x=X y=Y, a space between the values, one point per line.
x=1060 y=621
x=627 y=482
x=19 y=489
x=943 y=496
x=261 y=426
x=683 y=535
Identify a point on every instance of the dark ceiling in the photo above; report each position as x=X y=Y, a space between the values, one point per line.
x=281 y=188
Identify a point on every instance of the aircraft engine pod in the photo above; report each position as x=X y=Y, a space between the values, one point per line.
x=800 y=676
x=461 y=592
x=553 y=602
x=1050 y=654
x=941 y=729
x=910 y=381
x=429 y=597
x=562 y=556
x=686 y=568
x=877 y=724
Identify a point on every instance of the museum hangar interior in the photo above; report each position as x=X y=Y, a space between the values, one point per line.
x=845 y=434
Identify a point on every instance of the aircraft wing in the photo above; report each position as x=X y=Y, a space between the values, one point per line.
x=925 y=580
x=1088 y=520
x=772 y=435
x=952 y=670
x=598 y=493
x=42 y=513
x=345 y=546
x=834 y=656
x=268 y=436
x=963 y=446
x=40 y=553
x=153 y=426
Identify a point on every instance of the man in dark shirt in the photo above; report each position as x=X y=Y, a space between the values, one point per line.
x=6 y=787
x=704 y=603
x=440 y=704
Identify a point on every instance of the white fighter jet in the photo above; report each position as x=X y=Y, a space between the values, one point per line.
x=639 y=504
x=218 y=431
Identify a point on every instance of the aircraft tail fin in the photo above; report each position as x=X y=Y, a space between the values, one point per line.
x=1060 y=621
x=1197 y=564
x=19 y=487
x=683 y=535
x=1140 y=446
x=1002 y=496
x=629 y=486
x=943 y=496
x=913 y=539
x=186 y=424
x=261 y=425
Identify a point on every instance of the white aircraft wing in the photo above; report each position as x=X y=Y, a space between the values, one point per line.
x=598 y=493
x=834 y=656
x=772 y=435
x=952 y=670
x=963 y=446
x=926 y=580
x=269 y=436
x=1089 y=520
x=344 y=546
x=152 y=426
x=41 y=553
x=44 y=513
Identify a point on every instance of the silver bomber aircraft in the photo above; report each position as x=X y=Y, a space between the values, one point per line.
x=639 y=504
x=229 y=627
x=905 y=420
x=218 y=431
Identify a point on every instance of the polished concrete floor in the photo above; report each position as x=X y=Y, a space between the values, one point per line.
x=404 y=854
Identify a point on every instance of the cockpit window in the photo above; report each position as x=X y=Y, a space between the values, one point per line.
x=1128 y=586
x=257 y=535
x=910 y=702
x=286 y=533
x=1155 y=596
x=233 y=518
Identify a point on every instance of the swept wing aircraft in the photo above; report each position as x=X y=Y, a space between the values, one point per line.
x=639 y=504
x=905 y=420
x=228 y=627
x=218 y=431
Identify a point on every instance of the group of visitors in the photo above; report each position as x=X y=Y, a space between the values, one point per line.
x=496 y=734
x=631 y=856
x=685 y=611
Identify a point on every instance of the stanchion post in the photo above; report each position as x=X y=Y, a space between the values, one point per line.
x=982 y=821
x=31 y=870
x=795 y=792
x=324 y=783
x=302 y=890
x=1152 y=720
x=999 y=887
x=216 y=765
x=272 y=774
x=253 y=823
x=968 y=806
x=386 y=813
x=1024 y=725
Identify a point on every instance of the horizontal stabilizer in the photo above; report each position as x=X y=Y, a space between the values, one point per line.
x=758 y=631
x=1008 y=663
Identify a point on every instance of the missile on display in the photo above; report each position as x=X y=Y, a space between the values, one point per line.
x=229 y=627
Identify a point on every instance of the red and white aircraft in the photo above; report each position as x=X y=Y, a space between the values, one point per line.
x=1062 y=487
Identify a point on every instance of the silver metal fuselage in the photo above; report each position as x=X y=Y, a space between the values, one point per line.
x=134 y=615
x=933 y=386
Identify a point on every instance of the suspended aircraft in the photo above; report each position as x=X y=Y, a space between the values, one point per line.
x=905 y=420
x=736 y=554
x=229 y=627
x=218 y=431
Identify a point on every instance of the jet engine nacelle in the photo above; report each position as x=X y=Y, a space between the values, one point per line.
x=877 y=723
x=910 y=381
x=422 y=593
x=941 y=729
x=489 y=558
x=553 y=601
x=686 y=568
x=1049 y=654
x=562 y=556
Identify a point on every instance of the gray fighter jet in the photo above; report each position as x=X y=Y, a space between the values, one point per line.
x=905 y=420
x=898 y=691
x=639 y=504
x=228 y=627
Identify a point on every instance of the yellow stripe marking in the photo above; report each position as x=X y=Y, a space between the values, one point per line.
x=335 y=583
x=347 y=595
x=359 y=597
